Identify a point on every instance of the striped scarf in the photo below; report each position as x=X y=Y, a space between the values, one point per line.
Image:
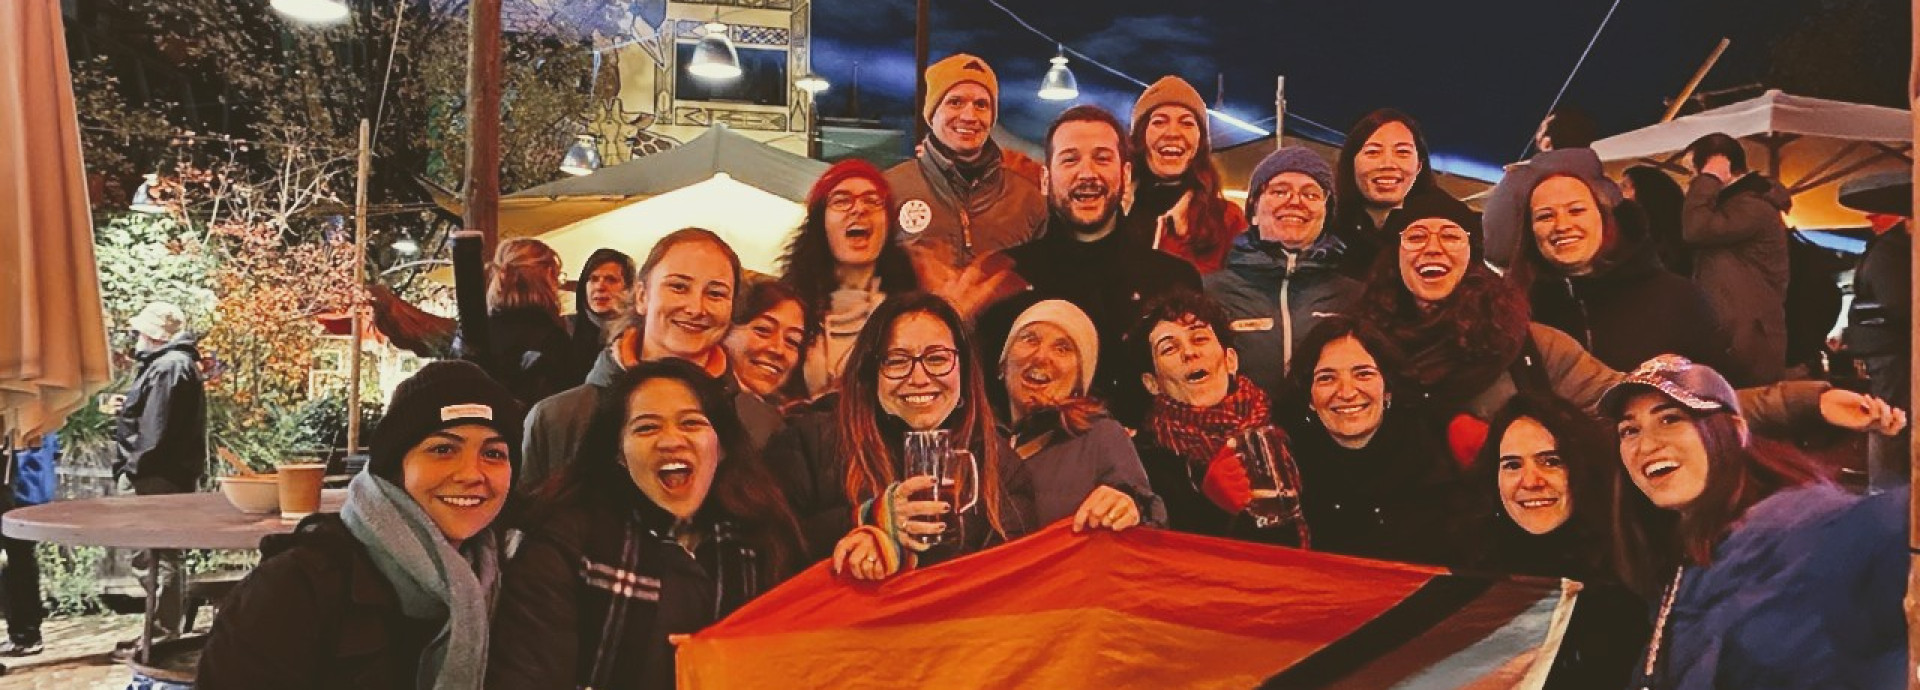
x=1196 y=433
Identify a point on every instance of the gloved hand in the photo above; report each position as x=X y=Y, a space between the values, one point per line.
x=1226 y=483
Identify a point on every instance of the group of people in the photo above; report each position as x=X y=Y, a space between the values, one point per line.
x=954 y=357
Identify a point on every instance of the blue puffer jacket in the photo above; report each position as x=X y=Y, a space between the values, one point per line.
x=1804 y=593
x=1274 y=296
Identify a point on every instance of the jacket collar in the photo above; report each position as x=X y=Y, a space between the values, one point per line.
x=1255 y=256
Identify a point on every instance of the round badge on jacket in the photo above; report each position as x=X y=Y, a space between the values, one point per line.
x=915 y=215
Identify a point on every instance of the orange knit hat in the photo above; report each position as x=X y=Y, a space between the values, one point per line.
x=942 y=76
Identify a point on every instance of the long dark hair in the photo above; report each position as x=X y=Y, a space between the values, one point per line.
x=1740 y=473
x=1481 y=307
x=1346 y=192
x=1581 y=441
x=857 y=414
x=1532 y=263
x=1660 y=199
x=809 y=265
x=744 y=490
x=1208 y=205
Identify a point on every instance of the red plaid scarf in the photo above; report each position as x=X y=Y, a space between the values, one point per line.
x=1196 y=433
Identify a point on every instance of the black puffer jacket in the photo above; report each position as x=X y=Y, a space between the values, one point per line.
x=161 y=430
x=1396 y=499
x=317 y=613
x=1629 y=308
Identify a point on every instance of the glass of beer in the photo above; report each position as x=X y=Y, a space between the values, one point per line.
x=1273 y=480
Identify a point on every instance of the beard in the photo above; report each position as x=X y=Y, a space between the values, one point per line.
x=1060 y=207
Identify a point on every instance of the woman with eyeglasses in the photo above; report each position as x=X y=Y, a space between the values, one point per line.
x=913 y=370
x=843 y=263
x=1469 y=345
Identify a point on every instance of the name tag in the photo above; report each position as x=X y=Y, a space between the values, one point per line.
x=1251 y=325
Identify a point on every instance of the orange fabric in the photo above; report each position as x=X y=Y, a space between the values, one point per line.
x=1140 y=608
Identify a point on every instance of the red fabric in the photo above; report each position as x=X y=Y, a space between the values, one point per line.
x=841 y=172
x=1196 y=434
x=1141 y=608
x=1226 y=483
x=1466 y=434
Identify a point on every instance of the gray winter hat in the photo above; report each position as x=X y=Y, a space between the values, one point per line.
x=1298 y=159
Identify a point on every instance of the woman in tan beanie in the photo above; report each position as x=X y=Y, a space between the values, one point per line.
x=1177 y=204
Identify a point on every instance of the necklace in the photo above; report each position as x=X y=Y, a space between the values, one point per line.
x=1660 y=626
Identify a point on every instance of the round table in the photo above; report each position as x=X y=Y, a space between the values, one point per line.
x=170 y=521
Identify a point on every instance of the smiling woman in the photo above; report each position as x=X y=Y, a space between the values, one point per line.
x=667 y=523
x=843 y=264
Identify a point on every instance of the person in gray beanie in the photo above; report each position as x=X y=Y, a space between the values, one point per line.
x=1282 y=275
x=397 y=589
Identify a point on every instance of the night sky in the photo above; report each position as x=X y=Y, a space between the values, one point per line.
x=1478 y=75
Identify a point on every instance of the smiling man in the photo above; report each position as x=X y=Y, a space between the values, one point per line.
x=955 y=197
x=1083 y=259
x=1282 y=275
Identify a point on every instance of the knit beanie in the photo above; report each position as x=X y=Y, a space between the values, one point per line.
x=439 y=396
x=942 y=76
x=1069 y=318
x=1297 y=159
x=840 y=172
x=1170 y=90
x=1434 y=203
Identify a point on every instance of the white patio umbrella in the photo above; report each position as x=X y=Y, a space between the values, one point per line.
x=53 y=339
x=756 y=223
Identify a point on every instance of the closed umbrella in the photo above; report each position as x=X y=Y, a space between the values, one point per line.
x=53 y=340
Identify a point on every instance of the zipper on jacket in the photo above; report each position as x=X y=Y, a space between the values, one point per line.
x=1286 y=312
x=1586 y=321
x=966 y=234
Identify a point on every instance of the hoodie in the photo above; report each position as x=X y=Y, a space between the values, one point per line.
x=1739 y=238
x=1273 y=297
x=161 y=430
x=589 y=331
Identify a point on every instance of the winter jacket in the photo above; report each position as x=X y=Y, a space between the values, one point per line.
x=811 y=462
x=161 y=430
x=1178 y=485
x=317 y=613
x=1879 y=322
x=558 y=591
x=1631 y=309
x=556 y=426
x=1575 y=375
x=1273 y=297
x=1153 y=200
x=937 y=207
x=1056 y=480
x=530 y=353
x=1805 y=592
x=826 y=355
x=1108 y=279
x=1740 y=260
x=1396 y=499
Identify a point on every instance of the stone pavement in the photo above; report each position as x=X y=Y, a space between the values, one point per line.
x=76 y=656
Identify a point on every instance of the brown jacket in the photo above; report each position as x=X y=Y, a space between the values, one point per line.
x=935 y=207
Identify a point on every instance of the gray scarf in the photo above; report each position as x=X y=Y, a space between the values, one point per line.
x=434 y=581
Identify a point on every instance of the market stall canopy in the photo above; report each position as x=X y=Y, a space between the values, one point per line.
x=718 y=151
x=53 y=341
x=755 y=222
x=1807 y=144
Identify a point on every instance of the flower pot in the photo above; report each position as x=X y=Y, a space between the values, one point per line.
x=256 y=494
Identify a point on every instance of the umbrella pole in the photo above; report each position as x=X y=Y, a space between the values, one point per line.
x=1694 y=83
x=1913 y=381
x=355 y=306
x=921 y=17
x=475 y=241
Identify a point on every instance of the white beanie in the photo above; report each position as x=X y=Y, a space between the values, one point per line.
x=1069 y=318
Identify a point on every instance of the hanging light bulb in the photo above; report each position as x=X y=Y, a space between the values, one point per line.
x=583 y=157
x=143 y=201
x=811 y=83
x=1059 y=84
x=714 y=57
x=312 y=11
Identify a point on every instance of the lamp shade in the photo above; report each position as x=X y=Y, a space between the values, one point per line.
x=714 y=57
x=811 y=83
x=1059 y=84
x=583 y=157
x=312 y=11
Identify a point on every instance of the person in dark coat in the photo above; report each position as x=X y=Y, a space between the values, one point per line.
x=1544 y=498
x=1591 y=272
x=599 y=299
x=1178 y=207
x=844 y=468
x=1660 y=198
x=30 y=481
x=160 y=435
x=1074 y=460
x=666 y=523
x=1385 y=158
x=1880 y=325
x=1732 y=219
x=1082 y=259
x=397 y=589
x=529 y=350
x=1784 y=579
x=1282 y=275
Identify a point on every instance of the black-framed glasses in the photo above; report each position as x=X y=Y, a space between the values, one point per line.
x=843 y=202
x=939 y=361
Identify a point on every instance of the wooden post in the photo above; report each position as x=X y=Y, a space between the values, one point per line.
x=358 y=303
x=922 y=17
x=482 y=188
x=1694 y=83
x=1279 y=114
x=1913 y=383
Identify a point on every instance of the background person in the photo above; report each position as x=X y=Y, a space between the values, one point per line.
x=842 y=265
x=531 y=353
x=1732 y=220
x=599 y=299
x=160 y=436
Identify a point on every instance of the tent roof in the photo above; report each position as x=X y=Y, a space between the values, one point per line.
x=719 y=150
x=1774 y=112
